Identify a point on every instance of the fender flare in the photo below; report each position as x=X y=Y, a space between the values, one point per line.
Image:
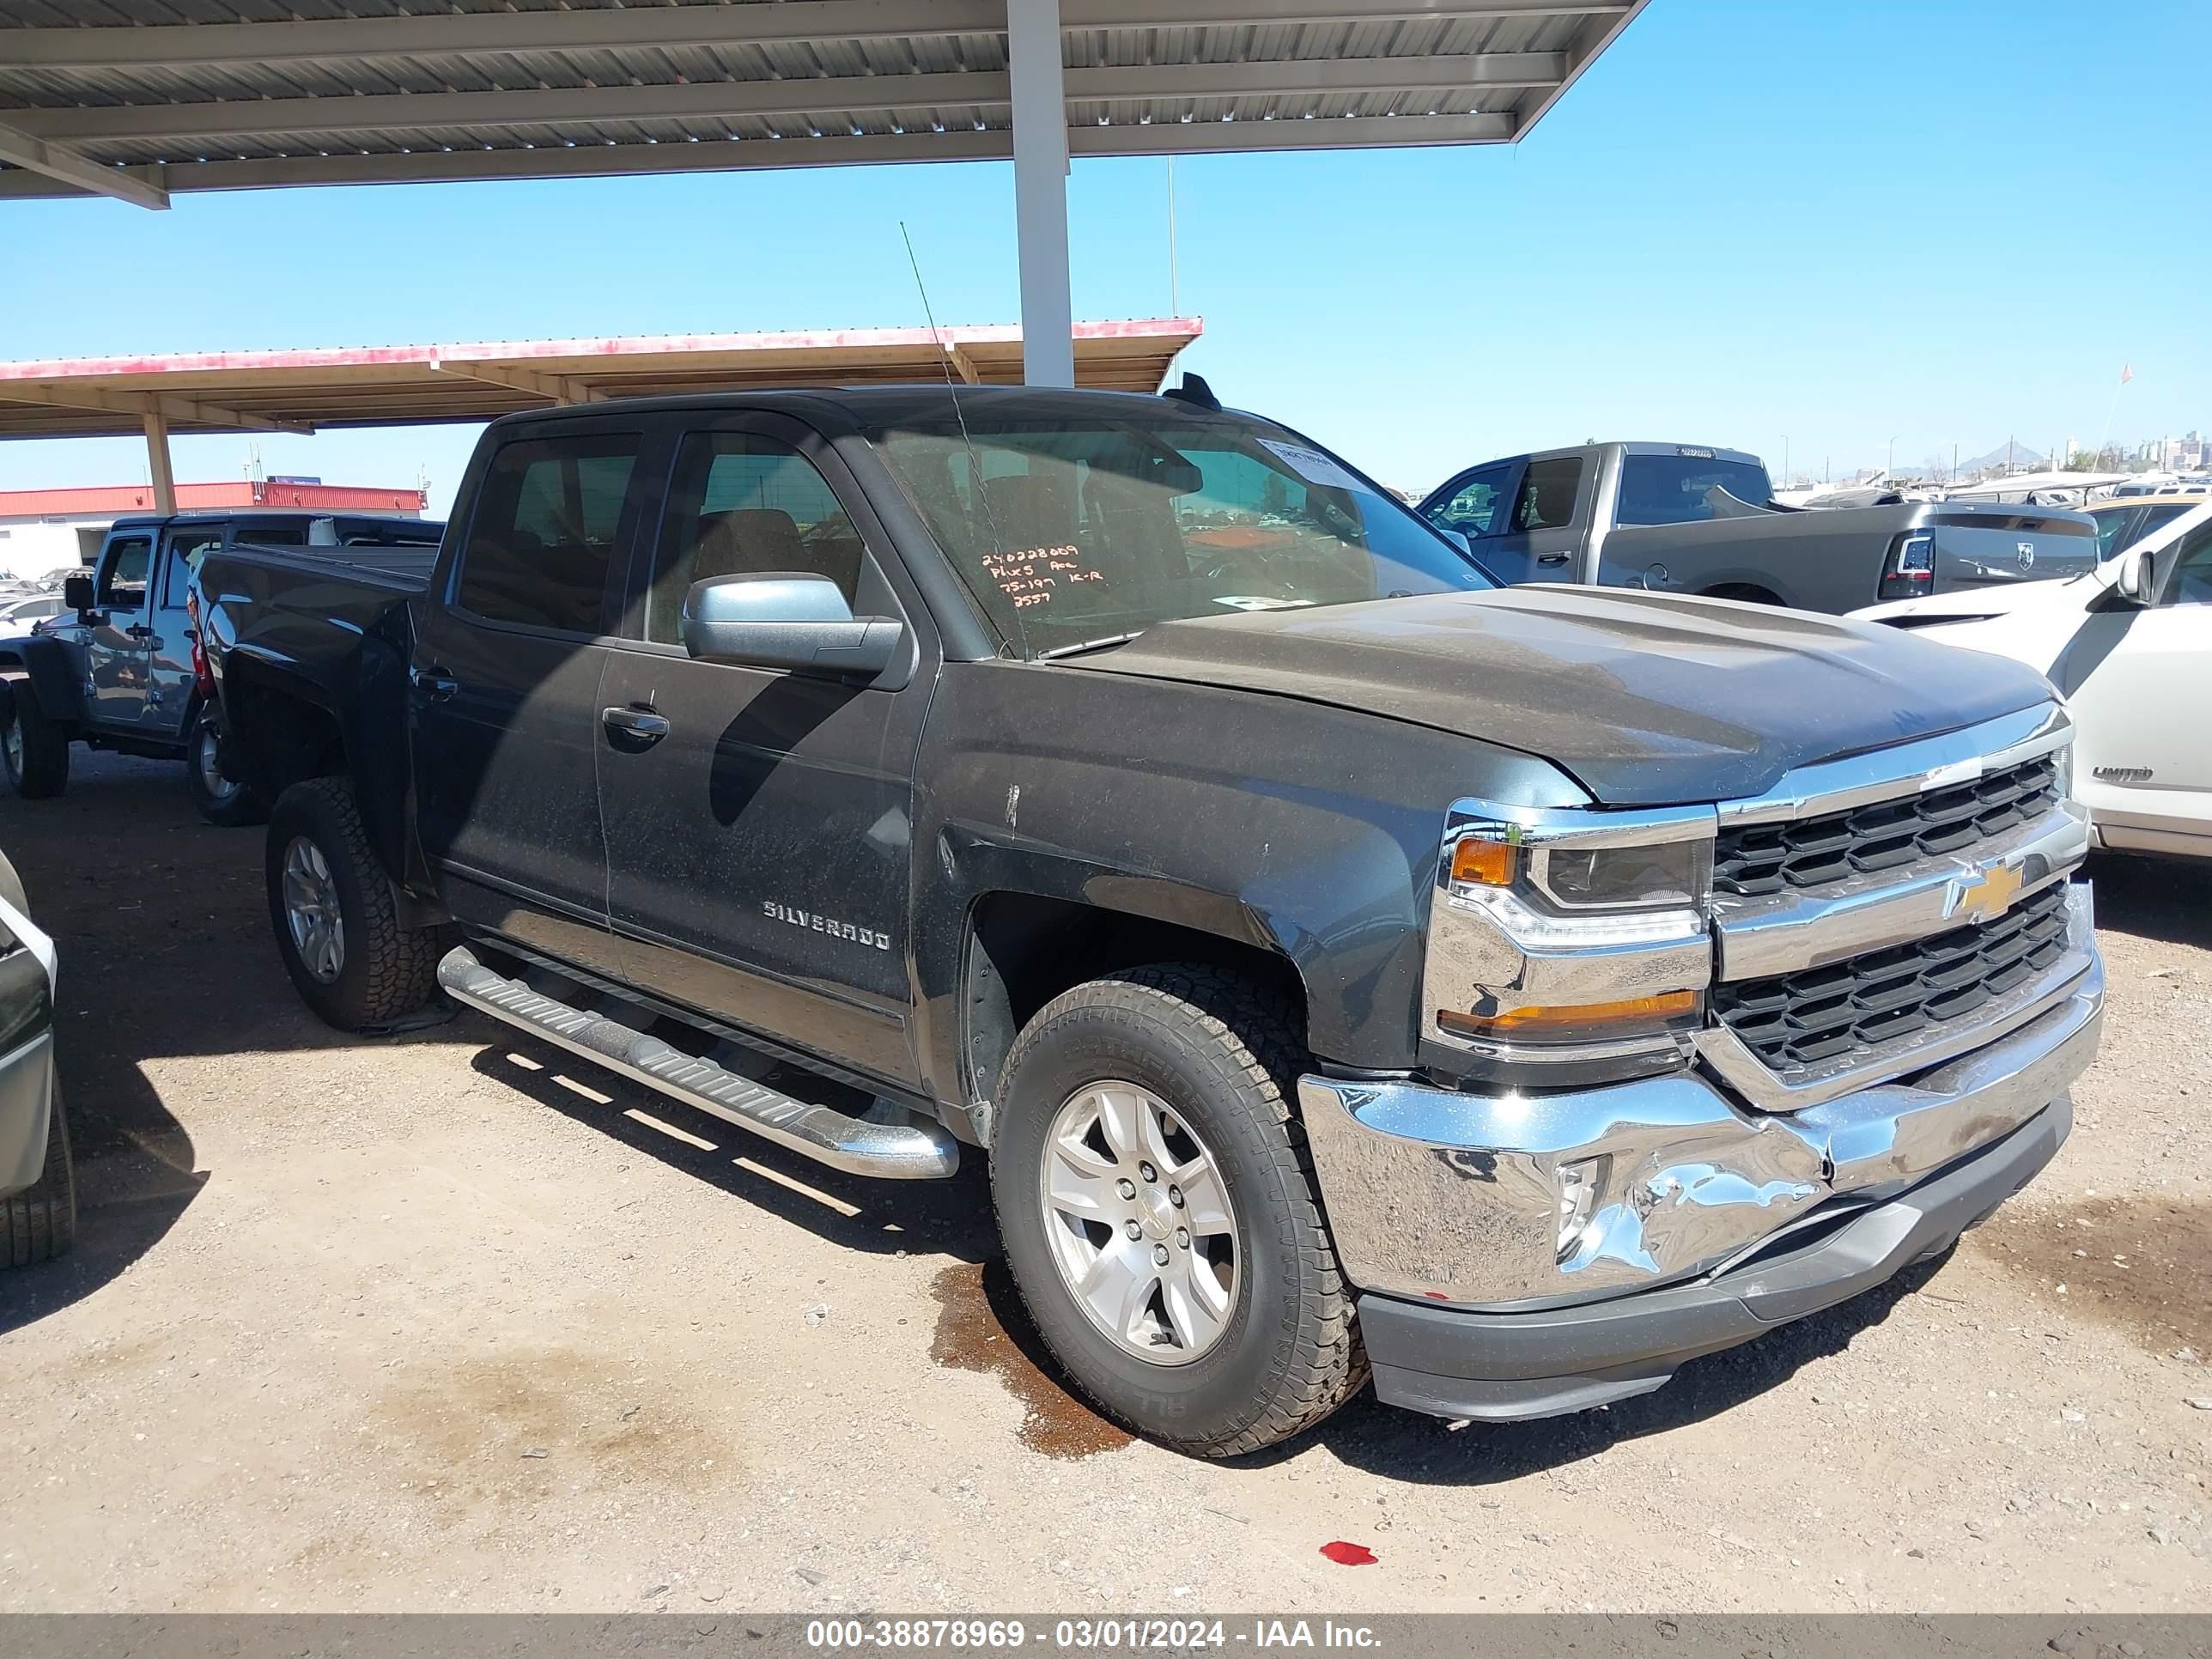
x=42 y=670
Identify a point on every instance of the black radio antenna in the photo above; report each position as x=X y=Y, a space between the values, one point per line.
x=952 y=391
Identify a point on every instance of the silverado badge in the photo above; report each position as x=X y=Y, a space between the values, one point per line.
x=1988 y=896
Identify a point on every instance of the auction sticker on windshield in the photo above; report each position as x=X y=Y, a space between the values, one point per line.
x=1312 y=465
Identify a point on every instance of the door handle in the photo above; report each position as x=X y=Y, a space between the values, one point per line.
x=1550 y=558
x=139 y=631
x=637 y=723
x=434 y=684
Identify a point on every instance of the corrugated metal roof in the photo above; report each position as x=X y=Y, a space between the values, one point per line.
x=185 y=94
x=389 y=385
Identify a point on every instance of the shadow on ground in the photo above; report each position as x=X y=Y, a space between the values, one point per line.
x=2168 y=900
x=161 y=939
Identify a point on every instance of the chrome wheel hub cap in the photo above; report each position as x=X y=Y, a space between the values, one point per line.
x=1139 y=1223
x=311 y=910
x=206 y=756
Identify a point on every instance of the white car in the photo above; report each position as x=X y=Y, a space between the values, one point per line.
x=2129 y=647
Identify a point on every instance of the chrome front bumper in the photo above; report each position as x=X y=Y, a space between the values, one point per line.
x=1454 y=1199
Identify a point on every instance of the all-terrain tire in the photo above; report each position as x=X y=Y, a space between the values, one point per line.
x=384 y=971
x=35 y=753
x=1225 y=1055
x=234 y=804
x=40 y=1223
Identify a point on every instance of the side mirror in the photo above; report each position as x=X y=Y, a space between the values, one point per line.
x=783 y=619
x=2131 y=580
x=1458 y=538
x=77 y=592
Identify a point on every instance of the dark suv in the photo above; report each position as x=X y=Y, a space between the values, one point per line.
x=118 y=669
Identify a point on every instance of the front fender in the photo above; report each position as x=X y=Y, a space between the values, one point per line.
x=46 y=669
x=1309 y=831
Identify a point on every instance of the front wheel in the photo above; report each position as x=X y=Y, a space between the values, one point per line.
x=337 y=926
x=226 y=804
x=34 y=750
x=40 y=1224
x=1158 y=1207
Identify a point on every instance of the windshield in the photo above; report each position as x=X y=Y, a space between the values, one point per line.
x=1073 y=530
x=1677 y=489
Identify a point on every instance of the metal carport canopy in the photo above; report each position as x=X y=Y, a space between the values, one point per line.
x=404 y=384
x=139 y=99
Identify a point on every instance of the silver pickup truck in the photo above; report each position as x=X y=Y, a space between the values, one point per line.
x=1687 y=518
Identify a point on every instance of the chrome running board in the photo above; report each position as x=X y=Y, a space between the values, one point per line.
x=891 y=1152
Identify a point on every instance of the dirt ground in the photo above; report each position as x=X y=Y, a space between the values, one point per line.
x=448 y=1322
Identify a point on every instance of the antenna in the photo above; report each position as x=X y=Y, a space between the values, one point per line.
x=952 y=391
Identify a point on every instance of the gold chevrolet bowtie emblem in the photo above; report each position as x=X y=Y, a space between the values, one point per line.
x=1991 y=895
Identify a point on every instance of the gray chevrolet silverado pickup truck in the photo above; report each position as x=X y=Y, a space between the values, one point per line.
x=1684 y=519
x=1345 y=964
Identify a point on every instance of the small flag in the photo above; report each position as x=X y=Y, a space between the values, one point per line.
x=2127 y=373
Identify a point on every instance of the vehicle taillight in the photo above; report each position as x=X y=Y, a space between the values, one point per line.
x=1911 y=571
x=202 y=675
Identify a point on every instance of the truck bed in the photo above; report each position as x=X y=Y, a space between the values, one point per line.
x=404 y=567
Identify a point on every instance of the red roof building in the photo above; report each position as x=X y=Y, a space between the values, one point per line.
x=113 y=501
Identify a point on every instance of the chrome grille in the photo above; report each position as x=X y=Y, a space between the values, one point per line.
x=1761 y=859
x=1856 y=1008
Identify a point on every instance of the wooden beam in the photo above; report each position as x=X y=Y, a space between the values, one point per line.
x=176 y=410
x=555 y=388
x=158 y=469
x=963 y=364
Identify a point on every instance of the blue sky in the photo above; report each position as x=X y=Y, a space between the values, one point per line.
x=1834 y=224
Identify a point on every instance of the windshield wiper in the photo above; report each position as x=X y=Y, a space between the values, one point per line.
x=1087 y=645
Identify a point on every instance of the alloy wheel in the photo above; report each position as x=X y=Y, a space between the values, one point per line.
x=311 y=910
x=1140 y=1223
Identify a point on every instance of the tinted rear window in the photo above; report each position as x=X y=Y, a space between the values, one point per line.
x=544 y=535
x=1678 y=489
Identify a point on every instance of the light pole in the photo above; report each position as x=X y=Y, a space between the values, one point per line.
x=1890 y=466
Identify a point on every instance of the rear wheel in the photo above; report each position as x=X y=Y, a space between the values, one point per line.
x=34 y=750
x=219 y=801
x=337 y=926
x=40 y=1223
x=1158 y=1207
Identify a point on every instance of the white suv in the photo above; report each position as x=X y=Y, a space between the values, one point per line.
x=2129 y=647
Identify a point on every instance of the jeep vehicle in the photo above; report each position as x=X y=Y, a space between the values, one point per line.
x=116 y=668
x=1688 y=519
x=1345 y=964
x=38 y=1182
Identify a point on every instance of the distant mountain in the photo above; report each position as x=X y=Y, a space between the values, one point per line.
x=2019 y=455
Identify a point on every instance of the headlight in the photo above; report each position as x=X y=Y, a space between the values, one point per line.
x=1569 y=934
x=2061 y=762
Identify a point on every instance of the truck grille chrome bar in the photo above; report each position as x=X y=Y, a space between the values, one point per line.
x=1860 y=1005
x=1752 y=860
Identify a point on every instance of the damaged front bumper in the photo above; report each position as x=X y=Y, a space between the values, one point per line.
x=1706 y=1222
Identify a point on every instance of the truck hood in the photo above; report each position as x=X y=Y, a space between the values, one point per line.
x=1642 y=698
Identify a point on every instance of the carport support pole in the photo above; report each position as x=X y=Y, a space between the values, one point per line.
x=1033 y=65
x=157 y=461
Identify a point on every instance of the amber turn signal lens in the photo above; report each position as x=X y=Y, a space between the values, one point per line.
x=1582 y=1017
x=1483 y=863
